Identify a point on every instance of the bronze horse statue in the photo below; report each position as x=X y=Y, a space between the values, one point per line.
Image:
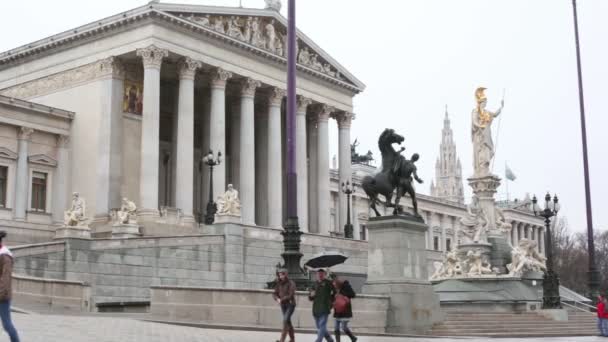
x=396 y=174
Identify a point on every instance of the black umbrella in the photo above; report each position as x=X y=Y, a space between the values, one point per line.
x=326 y=259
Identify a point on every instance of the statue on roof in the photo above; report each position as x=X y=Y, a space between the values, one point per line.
x=274 y=5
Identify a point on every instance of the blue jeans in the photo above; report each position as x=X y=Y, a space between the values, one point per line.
x=602 y=326
x=321 y=323
x=341 y=323
x=5 y=315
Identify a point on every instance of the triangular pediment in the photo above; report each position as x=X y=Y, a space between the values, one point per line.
x=5 y=153
x=42 y=159
x=268 y=32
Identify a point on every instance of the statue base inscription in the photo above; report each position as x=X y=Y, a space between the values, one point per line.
x=76 y=232
x=125 y=231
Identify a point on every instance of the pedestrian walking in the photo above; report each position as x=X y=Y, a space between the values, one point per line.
x=602 y=316
x=343 y=309
x=6 y=271
x=322 y=296
x=285 y=295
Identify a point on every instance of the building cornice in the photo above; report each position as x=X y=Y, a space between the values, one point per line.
x=37 y=108
x=157 y=13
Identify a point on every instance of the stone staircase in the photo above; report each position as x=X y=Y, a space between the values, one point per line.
x=526 y=324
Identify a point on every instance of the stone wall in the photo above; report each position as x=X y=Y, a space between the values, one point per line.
x=50 y=294
x=254 y=308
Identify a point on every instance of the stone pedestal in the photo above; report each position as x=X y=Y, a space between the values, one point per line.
x=484 y=188
x=78 y=232
x=125 y=231
x=500 y=255
x=228 y=219
x=397 y=268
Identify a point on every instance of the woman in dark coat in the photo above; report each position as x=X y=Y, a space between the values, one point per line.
x=343 y=309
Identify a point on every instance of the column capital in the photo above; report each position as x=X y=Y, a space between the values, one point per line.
x=152 y=56
x=344 y=119
x=249 y=86
x=302 y=105
x=219 y=77
x=63 y=140
x=25 y=133
x=186 y=68
x=111 y=66
x=276 y=96
x=322 y=112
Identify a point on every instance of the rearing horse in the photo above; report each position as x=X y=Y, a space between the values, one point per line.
x=385 y=182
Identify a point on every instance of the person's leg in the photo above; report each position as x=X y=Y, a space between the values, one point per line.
x=5 y=315
x=320 y=333
x=348 y=332
x=600 y=325
x=287 y=319
x=605 y=326
x=284 y=330
x=323 y=328
x=337 y=329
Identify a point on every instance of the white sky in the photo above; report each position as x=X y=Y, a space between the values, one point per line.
x=416 y=56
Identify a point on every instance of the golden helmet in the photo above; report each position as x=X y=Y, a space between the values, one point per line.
x=479 y=94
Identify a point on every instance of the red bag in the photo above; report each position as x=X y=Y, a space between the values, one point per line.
x=341 y=303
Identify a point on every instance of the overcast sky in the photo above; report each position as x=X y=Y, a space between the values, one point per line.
x=417 y=56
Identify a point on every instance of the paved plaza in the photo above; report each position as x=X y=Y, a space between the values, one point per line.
x=50 y=328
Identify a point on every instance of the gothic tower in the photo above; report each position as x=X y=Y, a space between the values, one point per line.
x=448 y=171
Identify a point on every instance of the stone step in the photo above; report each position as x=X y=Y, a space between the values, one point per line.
x=452 y=325
x=475 y=331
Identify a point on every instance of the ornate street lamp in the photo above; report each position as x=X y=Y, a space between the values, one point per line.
x=551 y=298
x=211 y=206
x=348 y=189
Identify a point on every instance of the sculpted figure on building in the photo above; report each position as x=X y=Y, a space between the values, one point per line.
x=75 y=216
x=127 y=212
x=475 y=224
x=229 y=203
x=526 y=258
x=450 y=267
x=481 y=133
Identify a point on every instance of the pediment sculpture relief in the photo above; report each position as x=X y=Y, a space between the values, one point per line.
x=264 y=33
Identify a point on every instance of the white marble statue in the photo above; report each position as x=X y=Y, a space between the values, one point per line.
x=315 y=64
x=229 y=203
x=234 y=28
x=218 y=25
x=204 y=21
x=450 y=267
x=481 y=133
x=247 y=30
x=271 y=36
x=474 y=224
x=127 y=212
x=476 y=265
x=304 y=56
x=526 y=258
x=75 y=216
x=274 y=5
x=502 y=224
x=256 y=33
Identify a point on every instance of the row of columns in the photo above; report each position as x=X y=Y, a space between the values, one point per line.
x=522 y=230
x=152 y=59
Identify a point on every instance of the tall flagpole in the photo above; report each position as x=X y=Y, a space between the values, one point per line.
x=593 y=280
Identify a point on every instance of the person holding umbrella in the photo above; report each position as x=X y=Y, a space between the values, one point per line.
x=285 y=295
x=322 y=296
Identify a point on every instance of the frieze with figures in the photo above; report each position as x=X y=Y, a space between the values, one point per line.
x=266 y=34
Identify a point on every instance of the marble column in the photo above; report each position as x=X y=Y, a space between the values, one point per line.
x=275 y=165
x=301 y=163
x=355 y=217
x=323 y=195
x=344 y=120
x=184 y=165
x=444 y=226
x=217 y=123
x=247 y=151
x=517 y=233
x=109 y=156
x=234 y=149
x=21 y=188
x=313 y=208
x=513 y=229
x=61 y=179
x=152 y=58
x=542 y=241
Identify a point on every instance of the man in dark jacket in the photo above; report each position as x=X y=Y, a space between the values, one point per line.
x=322 y=297
x=285 y=295
x=6 y=271
x=343 y=309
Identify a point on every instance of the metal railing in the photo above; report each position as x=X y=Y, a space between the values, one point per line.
x=577 y=305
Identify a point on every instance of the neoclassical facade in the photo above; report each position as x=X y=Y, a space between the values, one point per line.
x=146 y=93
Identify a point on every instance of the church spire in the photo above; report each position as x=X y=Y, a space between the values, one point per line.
x=448 y=171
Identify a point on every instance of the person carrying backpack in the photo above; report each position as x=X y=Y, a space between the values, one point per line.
x=343 y=309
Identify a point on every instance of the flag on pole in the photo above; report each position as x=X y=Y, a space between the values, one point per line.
x=509 y=173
